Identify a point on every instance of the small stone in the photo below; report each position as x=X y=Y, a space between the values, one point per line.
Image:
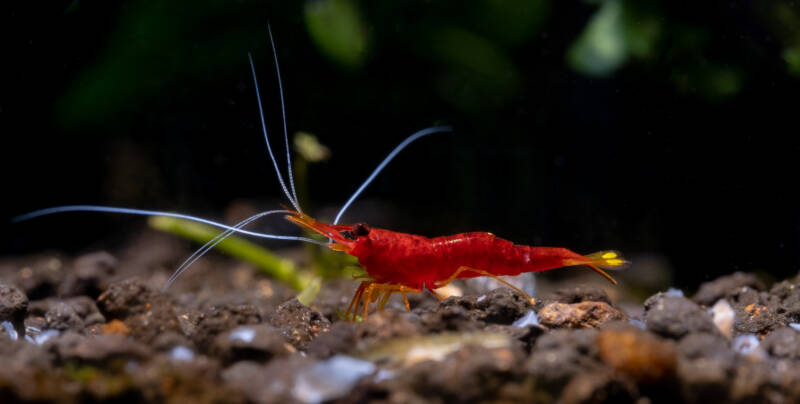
x=559 y=355
x=258 y=343
x=724 y=317
x=599 y=386
x=62 y=316
x=116 y=327
x=578 y=315
x=13 y=307
x=329 y=379
x=529 y=319
x=756 y=312
x=746 y=344
x=502 y=306
x=125 y=298
x=202 y=328
x=299 y=323
x=146 y=313
x=98 y=348
x=89 y=275
x=674 y=317
x=722 y=287
x=581 y=293
x=705 y=366
x=637 y=353
x=783 y=343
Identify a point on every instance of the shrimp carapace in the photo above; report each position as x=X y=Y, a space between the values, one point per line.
x=400 y=262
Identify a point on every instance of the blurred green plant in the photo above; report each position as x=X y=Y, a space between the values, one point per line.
x=478 y=73
x=276 y=267
x=147 y=52
x=614 y=34
x=786 y=23
x=337 y=30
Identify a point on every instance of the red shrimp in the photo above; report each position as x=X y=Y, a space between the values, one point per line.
x=401 y=262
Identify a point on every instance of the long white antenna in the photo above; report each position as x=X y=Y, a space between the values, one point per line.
x=212 y=243
x=109 y=209
x=398 y=149
x=266 y=137
x=283 y=112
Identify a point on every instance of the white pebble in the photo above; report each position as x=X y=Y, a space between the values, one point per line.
x=45 y=336
x=330 y=379
x=637 y=323
x=745 y=344
x=12 y=333
x=243 y=334
x=530 y=318
x=181 y=353
x=723 y=315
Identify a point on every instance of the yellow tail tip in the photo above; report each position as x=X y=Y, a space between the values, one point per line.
x=608 y=259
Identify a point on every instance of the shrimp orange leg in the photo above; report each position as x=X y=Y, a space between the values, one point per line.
x=369 y=292
x=458 y=272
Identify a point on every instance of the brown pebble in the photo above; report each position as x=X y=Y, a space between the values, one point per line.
x=116 y=327
x=637 y=353
x=578 y=315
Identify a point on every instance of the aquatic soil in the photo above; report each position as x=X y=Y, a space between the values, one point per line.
x=98 y=328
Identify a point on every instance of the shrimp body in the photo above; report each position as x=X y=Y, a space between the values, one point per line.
x=422 y=262
x=408 y=262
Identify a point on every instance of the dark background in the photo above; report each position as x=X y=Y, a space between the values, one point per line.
x=662 y=129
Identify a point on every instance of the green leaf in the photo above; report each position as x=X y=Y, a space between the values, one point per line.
x=338 y=32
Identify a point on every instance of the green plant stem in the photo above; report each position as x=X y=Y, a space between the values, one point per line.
x=276 y=267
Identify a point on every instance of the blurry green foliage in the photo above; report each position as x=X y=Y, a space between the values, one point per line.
x=710 y=81
x=146 y=53
x=601 y=49
x=478 y=72
x=478 y=53
x=337 y=30
x=786 y=23
x=792 y=57
x=614 y=33
x=508 y=22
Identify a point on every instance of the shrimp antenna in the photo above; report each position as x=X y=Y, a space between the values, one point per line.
x=266 y=137
x=382 y=165
x=142 y=212
x=213 y=243
x=283 y=112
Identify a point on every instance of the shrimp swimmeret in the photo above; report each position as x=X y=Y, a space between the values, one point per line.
x=394 y=262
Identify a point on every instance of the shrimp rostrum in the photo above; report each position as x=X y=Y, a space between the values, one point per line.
x=394 y=262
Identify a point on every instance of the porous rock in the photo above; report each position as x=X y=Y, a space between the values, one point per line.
x=145 y=312
x=89 y=274
x=258 y=343
x=561 y=354
x=675 y=316
x=299 y=323
x=722 y=287
x=97 y=348
x=580 y=293
x=578 y=315
x=637 y=353
x=13 y=307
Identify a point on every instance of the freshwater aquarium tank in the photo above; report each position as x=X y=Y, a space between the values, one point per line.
x=457 y=177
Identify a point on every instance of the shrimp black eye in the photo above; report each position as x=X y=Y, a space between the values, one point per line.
x=360 y=229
